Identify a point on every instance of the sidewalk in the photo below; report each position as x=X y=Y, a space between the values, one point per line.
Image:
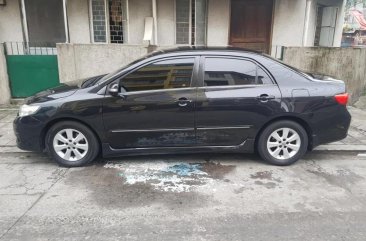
x=355 y=141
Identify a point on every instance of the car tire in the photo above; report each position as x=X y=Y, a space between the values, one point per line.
x=72 y=144
x=282 y=143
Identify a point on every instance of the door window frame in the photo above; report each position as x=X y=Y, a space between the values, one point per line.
x=202 y=65
x=194 y=78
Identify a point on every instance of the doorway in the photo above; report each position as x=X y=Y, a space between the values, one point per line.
x=251 y=24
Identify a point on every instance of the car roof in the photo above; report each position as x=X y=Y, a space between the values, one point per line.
x=202 y=50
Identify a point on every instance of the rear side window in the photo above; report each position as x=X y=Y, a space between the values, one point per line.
x=223 y=72
x=166 y=74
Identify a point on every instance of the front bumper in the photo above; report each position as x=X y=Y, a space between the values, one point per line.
x=28 y=132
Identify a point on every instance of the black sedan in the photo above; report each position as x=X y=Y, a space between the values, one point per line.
x=188 y=100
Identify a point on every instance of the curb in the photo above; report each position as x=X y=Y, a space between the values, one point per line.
x=333 y=147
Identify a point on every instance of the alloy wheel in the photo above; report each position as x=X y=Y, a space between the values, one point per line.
x=283 y=143
x=70 y=144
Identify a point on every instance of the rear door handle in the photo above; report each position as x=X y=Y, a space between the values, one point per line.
x=265 y=97
x=183 y=102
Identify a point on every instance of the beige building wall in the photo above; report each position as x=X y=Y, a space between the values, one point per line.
x=218 y=22
x=10 y=22
x=288 y=23
x=166 y=22
x=138 y=11
x=79 y=22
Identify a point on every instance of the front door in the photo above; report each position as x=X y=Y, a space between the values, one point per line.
x=251 y=23
x=157 y=109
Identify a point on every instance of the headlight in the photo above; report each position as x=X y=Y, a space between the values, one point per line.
x=28 y=110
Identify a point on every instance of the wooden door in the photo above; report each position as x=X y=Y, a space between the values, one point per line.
x=251 y=24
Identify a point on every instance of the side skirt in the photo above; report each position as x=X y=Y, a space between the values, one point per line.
x=246 y=147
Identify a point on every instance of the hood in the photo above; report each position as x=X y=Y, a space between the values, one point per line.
x=61 y=91
x=64 y=90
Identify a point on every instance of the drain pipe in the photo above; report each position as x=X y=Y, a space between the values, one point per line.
x=306 y=22
x=154 y=13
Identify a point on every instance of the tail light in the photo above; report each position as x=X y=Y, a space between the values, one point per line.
x=342 y=99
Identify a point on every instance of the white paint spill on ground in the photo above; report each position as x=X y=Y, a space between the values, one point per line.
x=167 y=177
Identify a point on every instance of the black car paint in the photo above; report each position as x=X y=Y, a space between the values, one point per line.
x=221 y=119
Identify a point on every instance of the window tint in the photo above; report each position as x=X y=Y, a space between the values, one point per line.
x=221 y=72
x=167 y=74
x=263 y=78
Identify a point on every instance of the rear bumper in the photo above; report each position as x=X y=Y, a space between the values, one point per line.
x=28 y=132
x=331 y=127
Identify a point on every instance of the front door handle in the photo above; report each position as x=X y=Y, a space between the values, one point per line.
x=183 y=102
x=265 y=97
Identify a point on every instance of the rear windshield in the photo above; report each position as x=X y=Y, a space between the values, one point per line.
x=302 y=72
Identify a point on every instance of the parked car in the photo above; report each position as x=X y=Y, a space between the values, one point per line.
x=188 y=100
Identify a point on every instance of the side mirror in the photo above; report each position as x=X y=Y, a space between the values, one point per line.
x=113 y=90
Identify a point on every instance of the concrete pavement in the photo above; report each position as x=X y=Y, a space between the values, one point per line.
x=185 y=197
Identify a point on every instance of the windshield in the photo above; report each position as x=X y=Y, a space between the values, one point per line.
x=110 y=75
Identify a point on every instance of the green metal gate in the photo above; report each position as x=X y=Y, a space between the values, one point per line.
x=31 y=68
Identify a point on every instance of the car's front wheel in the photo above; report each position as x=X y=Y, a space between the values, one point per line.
x=72 y=144
x=282 y=143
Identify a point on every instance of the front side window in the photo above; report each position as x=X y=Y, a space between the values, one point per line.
x=109 y=21
x=223 y=72
x=166 y=74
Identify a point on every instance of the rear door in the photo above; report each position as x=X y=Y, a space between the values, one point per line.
x=237 y=96
x=158 y=108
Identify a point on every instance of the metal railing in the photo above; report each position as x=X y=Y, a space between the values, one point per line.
x=30 y=48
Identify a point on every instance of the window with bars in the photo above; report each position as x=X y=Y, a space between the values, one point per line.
x=109 y=21
x=191 y=22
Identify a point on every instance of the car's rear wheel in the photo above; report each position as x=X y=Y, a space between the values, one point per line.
x=282 y=143
x=72 y=144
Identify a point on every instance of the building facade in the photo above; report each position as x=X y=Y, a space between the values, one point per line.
x=255 y=24
x=95 y=37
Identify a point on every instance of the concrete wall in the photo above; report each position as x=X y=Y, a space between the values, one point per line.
x=77 y=61
x=10 y=22
x=218 y=21
x=78 y=18
x=4 y=80
x=166 y=22
x=288 y=23
x=138 y=11
x=347 y=64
